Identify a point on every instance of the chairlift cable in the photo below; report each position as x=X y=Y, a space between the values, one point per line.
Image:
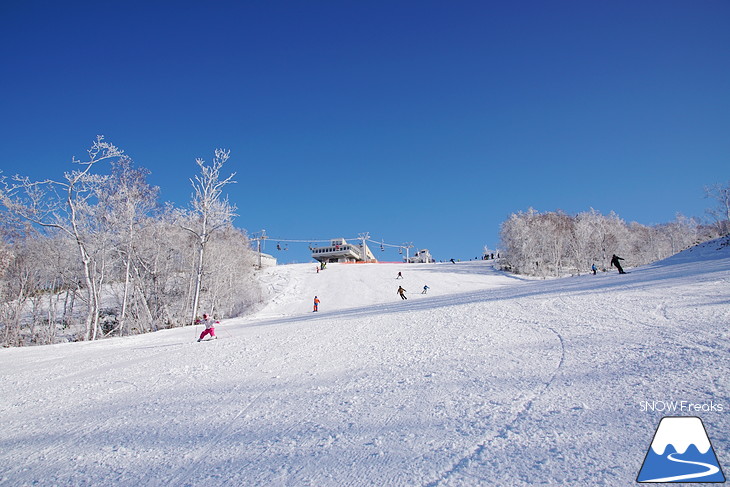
x=381 y=243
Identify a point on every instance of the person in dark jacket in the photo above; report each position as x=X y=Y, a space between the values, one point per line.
x=615 y=262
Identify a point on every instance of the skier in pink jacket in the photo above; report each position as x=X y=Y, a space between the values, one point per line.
x=209 y=327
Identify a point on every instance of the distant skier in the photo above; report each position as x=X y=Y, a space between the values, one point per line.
x=615 y=262
x=425 y=288
x=399 y=276
x=402 y=292
x=316 y=304
x=452 y=261
x=594 y=269
x=209 y=327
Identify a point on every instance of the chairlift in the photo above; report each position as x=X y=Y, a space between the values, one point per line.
x=382 y=247
x=278 y=246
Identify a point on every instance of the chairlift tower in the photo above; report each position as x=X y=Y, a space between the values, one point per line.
x=408 y=246
x=363 y=248
x=258 y=244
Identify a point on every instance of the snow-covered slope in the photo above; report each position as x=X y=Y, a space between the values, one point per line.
x=485 y=380
x=346 y=286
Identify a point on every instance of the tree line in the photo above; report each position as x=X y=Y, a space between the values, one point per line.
x=94 y=254
x=554 y=243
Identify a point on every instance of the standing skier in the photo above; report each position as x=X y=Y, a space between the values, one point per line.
x=425 y=288
x=594 y=269
x=316 y=304
x=209 y=327
x=615 y=262
x=399 y=276
x=402 y=292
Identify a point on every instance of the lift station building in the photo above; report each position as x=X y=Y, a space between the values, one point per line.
x=340 y=251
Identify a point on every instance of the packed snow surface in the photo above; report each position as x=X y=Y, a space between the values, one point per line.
x=485 y=380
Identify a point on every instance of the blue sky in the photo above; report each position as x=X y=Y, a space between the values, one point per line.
x=425 y=122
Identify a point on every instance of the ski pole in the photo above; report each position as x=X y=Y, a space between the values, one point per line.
x=227 y=332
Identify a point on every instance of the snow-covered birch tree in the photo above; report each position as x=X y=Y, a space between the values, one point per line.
x=65 y=205
x=210 y=211
x=128 y=200
x=721 y=212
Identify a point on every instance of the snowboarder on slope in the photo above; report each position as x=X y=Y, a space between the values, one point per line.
x=402 y=292
x=316 y=304
x=615 y=262
x=425 y=288
x=209 y=327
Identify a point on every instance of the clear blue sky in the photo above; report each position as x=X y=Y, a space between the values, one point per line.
x=420 y=121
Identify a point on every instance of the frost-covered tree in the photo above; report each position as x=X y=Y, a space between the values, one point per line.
x=721 y=212
x=228 y=274
x=210 y=211
x=68 y=205
x=521 y=245
x=554 y=243
x=589 y=245
x=128 y=201
x=6 y=257
x=38 y=287
x=161 y=271
x=92 y=255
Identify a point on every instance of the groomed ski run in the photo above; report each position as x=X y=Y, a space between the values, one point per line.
x=486 y=380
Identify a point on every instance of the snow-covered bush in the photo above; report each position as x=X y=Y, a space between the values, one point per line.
x=555 y=244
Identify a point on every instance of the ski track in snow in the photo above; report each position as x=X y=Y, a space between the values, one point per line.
x=486 y=380
x=484 y=447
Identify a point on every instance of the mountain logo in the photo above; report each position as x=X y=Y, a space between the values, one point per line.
x=681 y=452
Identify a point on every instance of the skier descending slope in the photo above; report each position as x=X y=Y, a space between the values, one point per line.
x=402 y=292
x=209 y=327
